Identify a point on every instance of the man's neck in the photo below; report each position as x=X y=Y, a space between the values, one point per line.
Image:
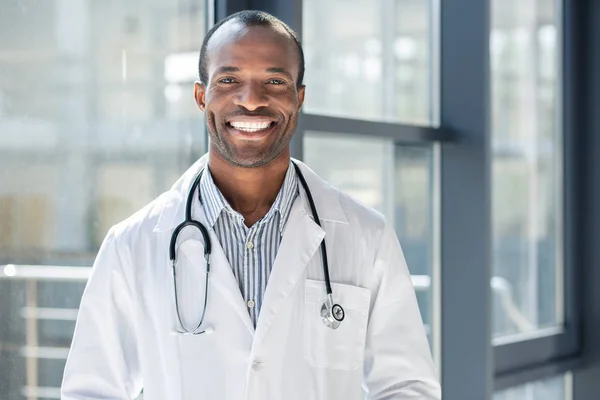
x=249 y=191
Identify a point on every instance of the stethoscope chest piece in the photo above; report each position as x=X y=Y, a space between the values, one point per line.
x=332 y=314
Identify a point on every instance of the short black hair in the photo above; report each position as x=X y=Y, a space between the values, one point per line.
x=251 y=18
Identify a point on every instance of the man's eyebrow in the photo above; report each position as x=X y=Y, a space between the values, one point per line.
x=279 y=70
x=273 y=70
x=226 y=69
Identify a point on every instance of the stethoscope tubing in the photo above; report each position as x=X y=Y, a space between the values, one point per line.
x=333 y=318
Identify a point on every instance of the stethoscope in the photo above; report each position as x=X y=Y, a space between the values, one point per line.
x=332 y=314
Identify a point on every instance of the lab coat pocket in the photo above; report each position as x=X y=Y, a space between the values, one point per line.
x=342 y=348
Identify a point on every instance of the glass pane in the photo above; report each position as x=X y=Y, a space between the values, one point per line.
x=550 y=389
x=526 y=182
x=395 y=180
x=97 y=118
x=371 y=59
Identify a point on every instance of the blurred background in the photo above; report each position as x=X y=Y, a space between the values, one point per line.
x=461 y=121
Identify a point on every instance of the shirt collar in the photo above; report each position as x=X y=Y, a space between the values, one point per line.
x=168 y=210
x=213 y=202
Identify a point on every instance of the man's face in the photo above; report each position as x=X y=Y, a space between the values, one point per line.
x=251 y=98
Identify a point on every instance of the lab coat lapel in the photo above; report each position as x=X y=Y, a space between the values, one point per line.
x=300 y=242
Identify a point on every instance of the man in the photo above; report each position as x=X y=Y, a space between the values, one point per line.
x=262 y=334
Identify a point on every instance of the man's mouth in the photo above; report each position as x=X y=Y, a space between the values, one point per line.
x=251 y=125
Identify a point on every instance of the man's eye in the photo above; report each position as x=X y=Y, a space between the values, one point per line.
x=276 y=82
x=226 y=80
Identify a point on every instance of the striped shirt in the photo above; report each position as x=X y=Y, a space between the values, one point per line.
x=250 y=251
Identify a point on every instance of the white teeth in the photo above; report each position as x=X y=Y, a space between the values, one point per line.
x=250 y=126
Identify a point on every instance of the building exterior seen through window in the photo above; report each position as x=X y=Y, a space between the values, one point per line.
x=558 y=388
x=96 y=119
x=383 y=68
x=525 y=51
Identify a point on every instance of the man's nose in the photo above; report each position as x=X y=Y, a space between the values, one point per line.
x=251 y=96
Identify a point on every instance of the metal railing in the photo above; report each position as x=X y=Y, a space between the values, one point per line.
x=32 y=312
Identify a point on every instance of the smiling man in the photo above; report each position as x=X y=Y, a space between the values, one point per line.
x=251 y=278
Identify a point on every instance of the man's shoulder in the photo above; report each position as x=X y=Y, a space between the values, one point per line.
x=357 y=213
x=159 y=214
x=362 y=229
x=340 y=205
x=146 y=220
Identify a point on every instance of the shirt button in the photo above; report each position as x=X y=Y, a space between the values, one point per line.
x=249 y=245
x=250 y=303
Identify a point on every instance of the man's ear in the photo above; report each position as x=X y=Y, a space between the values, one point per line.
x=301 y=91
x=200 y=95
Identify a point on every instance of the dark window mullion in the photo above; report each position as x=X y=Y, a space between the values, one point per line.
x=402 y=133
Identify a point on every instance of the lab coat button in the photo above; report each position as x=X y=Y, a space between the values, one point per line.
x=256 y=364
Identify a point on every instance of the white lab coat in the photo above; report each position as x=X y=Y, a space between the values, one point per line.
x=123 y=339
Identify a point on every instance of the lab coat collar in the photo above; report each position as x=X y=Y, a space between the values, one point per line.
x=172 y=211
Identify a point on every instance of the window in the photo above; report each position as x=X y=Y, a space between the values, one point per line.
x=369 y=123
x=549 y=389
x=97 y=117
x=527 y=167
x=383 y=68
x=396 y=180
